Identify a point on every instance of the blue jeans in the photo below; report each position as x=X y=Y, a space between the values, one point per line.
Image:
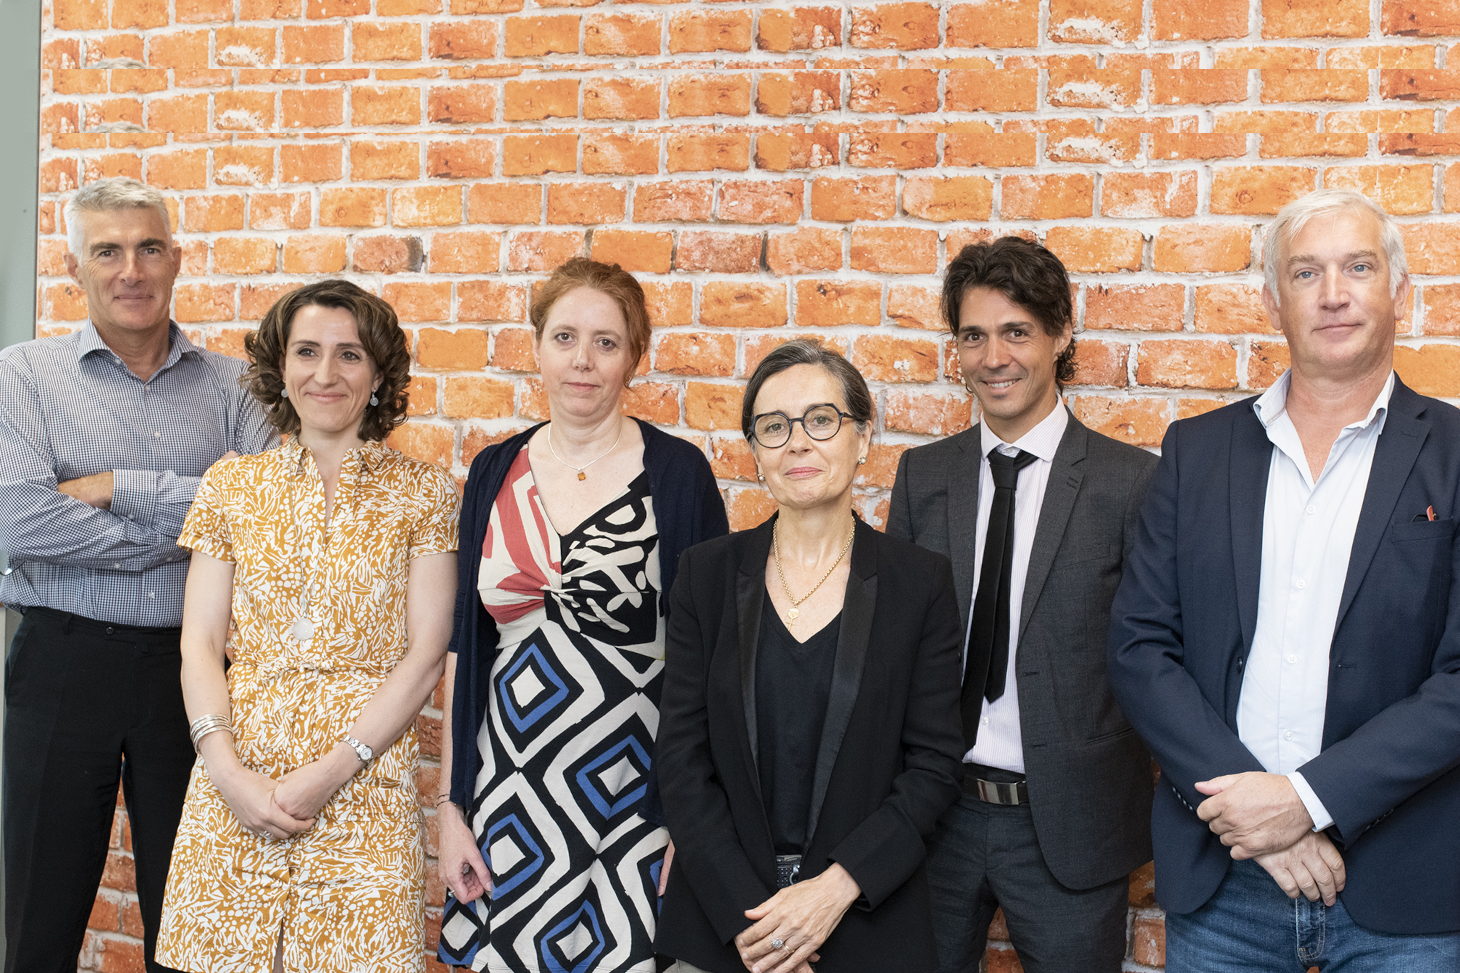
x=1251 y=926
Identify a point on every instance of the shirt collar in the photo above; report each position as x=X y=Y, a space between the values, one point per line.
x=89 y=340
x=1043 y=440
x=369 y=456
x=1274 y=402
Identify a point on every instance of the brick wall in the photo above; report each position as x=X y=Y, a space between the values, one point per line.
x=768 y=170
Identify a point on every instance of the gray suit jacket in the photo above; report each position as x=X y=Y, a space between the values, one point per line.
x=1089 y=773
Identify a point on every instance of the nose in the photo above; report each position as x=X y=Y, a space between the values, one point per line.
x=799 y=441
x=996 y=352
x=324 y=372
x=1334 y=289
x=131 y=270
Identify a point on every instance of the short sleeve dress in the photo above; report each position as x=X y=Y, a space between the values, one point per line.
x=348 y=893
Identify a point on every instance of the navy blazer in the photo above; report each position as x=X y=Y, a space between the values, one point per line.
x=1183 y=625
x=687 y=509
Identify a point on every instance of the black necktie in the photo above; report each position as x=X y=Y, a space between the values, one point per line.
x=988 y=637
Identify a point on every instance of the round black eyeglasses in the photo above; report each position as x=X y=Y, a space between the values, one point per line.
x=773 y=429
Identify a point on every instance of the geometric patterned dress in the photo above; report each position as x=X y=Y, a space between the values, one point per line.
x=567 y=741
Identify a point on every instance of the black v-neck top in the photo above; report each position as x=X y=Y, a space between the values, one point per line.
x=792 y=689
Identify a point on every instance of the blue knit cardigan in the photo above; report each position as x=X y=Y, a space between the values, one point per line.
x=687 y=509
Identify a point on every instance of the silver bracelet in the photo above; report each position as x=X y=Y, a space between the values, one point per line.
x=204 y=725
x=361 y=750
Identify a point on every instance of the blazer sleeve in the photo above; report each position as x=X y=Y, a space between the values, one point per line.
x=899 y=512
x=707 y=849
x=883 y=851
x=1189 y=739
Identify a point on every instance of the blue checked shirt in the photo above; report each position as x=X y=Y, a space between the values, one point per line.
x=70 y=408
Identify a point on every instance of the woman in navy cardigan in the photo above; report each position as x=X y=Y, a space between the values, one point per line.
x=552 y=840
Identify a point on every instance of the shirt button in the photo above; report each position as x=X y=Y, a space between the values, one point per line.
x=1288 y=735
x=156 y=435
x=1302 y=584
x=151 y=594
x=118 y=565
x=1312 y=510
x=1292 y=657
x=984 y=721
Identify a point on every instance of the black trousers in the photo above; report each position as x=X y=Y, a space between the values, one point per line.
x=87 y=704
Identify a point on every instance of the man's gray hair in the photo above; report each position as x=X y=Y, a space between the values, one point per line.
x=106 y=195
x=1328 y=202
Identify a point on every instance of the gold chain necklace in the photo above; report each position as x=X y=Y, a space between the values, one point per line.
x=795 y=609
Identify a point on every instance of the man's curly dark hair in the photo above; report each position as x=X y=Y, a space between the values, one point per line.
x=380 y=333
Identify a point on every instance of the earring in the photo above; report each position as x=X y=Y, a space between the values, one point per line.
x=373 y=399
x=283 y=393
x=862 y=461
x=760 y=476
x=967 y=388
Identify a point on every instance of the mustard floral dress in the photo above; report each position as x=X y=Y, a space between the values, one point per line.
x=348 y=893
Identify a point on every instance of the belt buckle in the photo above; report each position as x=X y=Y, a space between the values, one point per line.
x=992 y=792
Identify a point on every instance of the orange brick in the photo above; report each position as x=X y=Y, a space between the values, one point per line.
x=721 y=253
x=1432 y=248
x=1186 y=363
x=588 y=202
x=1048 y=197
x=533 y=155
x=352 y=207
x=795 y=150
x=696 y=354
x=894 y=250
x=732 y=458
x=1266 y=361
x=385 y=160
x=621 y=98
x=471 y=252
x=254 y=300
x=886 y=359
x=656 y=402
x=181 y=113
x=1401 y=190
x=427 y=442
x=1081 y=87
x=477 y=397
x=311 y=162
x=244 y=255
x=902 y=92
x=927 y=413
x=1413 y=19
x=194 y=303
x=311 y=44
x=426 y=206
x=1315 y=18
x=1327 y=84
x=318 y=253
x=832 y=303
x=702 y=153
x=1095 y=250
x=533 y=100
x=1142 y=195
x=421 y=394
x=1197 y=86
x=799 y=29
x=327 y=9
x=80 y=15
x=749 y=508
x=621 y=35
x=251 y=111
x=709 y=30
x=634 y=250
x=1258 y=190
x=407 y=8
x=736 y=304
x=1196 y=248
x=471 y=39
x=512 y=350
x=138 y=13
x=895 y=26
x=893 y=150
x=709 y=94
x=1135 y=307
x=114 y=164
x=505 y=203
x=419 y=300
x=236 y=165
x=1148 y=938
x=761 y=202
x=999 y=149
x=542 y=249
x=911 y=306
x=1138 y=421
x=385 y=105
x=463 y=103
x=461 y=159
x=490 y=300
x=388 y=255
x=313 y=107
x=66 y=302
x=678 y=202
x=782 y=93
x=1231 y=309
x=1101 y=363
x=1267 y=57
x=609 y=154
x=712 y=406
x=997 y=23
x=209 y=214
x=1094 y=21
x=1213 y=20
x=385 y=42
x=1419 y=120
x=540 y=36
x=669 y=304
x=1004 y=90
x=804 y=250
x=846 y=200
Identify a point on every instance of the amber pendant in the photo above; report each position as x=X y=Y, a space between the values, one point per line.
x=582 y=475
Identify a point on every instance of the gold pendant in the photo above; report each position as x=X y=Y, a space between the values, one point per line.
x=582 y=475
x=791 y=616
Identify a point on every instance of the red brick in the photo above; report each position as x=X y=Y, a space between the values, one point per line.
x=505 y=203
x=478 y=397
x=621 y=35
x=464 y=103
x=831 y=303
x=703 y=153
x=1196 y=248
x=749 y=508
x=782 y=93
x=385 y=105
x=328 y=9
x=708 y=94
x=887 y=359
x=620 y=98
x=727 y=304
x=927 y=413
x=995 y=23
x=678 y=202
x=1048 y=197
x=912 y=306
x=311 y=162
x=424 y=441
x=426 y=206
x=893 y=150
x=462 y=350
x=540 y=36
x=1003 y=149
x=1138 y=421
x=894 y=250
x=1100 y=363
x=1415 y=19
x=761 y=201
x=534 y=100
x=357 y=206
x=471 y=39
x=795 y=150
x=279 y=211
x=1095 y=250
x=422 y=402
x=385 y=160
x=80 y=15
x=542 y=250
x=311 y=44
x=799 y=29
x=313 y=107
x=1187 y=363
x=634 y=250
x=385 y=42
x=210 y=214
x=712 y=406
x=469 y=252
x=1231 y=309
x=138 y=13
x=895 y=26
x=901 y=92
x=66 y=302
x=620 y=155
x=1147 y=195
x=709 y=30
x=461 y=159
x=1080 y=87
x=512 y=350
x=1266 y=361
x=1442 y=309
x=1200 y=86
x=847 y=200
x=1315 y=18
x=1003 y=90
x=254 y=300
x=1094 y=21
x=807 y=249
x=1402 y=190
x=1213 y=20
x=1432 y=248
x=533 y=155
x=656 y=402
x=244 y=255
x=318 y=253
x=670 y=304
x=1148 y=938
x=1258 y=190
x=236 y=165
x=758 y=346
x=1135 y=307
x=696 y=354
x=490 y=301
x=732 y=458
x=721 y=253
x=588 y=202
x=407 y=8
x=387 y=255
x=203 y=302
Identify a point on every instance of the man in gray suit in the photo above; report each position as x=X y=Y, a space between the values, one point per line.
x=1037 y=514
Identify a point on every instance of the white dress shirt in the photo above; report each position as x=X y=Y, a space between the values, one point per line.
x=1307 y=535
x=1000 y=743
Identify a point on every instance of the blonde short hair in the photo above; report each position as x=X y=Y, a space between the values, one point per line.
x=1328 y=202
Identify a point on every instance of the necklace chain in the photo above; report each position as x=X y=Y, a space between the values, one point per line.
x=579 y=469
x=796 y=603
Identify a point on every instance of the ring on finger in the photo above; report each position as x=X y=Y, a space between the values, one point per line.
x=778 y=944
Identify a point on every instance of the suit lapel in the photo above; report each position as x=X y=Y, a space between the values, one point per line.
x=1247 y=493
x=1394 y=455
x=851 y=658
x=962 y=493
x=749 y=599
x=1066 y=473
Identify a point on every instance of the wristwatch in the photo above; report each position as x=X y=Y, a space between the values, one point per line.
x=361 y=750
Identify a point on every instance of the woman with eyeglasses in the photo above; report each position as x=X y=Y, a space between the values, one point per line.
x=809 y=735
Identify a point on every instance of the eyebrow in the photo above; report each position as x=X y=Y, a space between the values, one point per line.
x=149 y=242
x=295 y=342
x=1308 y=258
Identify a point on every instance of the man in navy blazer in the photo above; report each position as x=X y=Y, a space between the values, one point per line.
x=1286 y=637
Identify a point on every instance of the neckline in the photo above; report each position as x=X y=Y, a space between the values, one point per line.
x=785 y=630
x=611 y=503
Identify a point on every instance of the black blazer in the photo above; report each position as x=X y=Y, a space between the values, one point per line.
x=1389 y=769
x=888 y=765
x=1089 y=774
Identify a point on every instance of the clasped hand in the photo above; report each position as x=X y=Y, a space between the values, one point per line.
x=253 y=799
x=800 y=916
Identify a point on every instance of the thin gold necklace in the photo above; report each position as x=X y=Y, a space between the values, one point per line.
x=795 y=608
x=579 y=469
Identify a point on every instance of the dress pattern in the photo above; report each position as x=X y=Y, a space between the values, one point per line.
x=349 y=891
x=567 y=741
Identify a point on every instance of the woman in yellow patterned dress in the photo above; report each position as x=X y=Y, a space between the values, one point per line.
x=300 y=844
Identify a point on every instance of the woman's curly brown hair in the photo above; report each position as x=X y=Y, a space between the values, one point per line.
x=380 y=333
